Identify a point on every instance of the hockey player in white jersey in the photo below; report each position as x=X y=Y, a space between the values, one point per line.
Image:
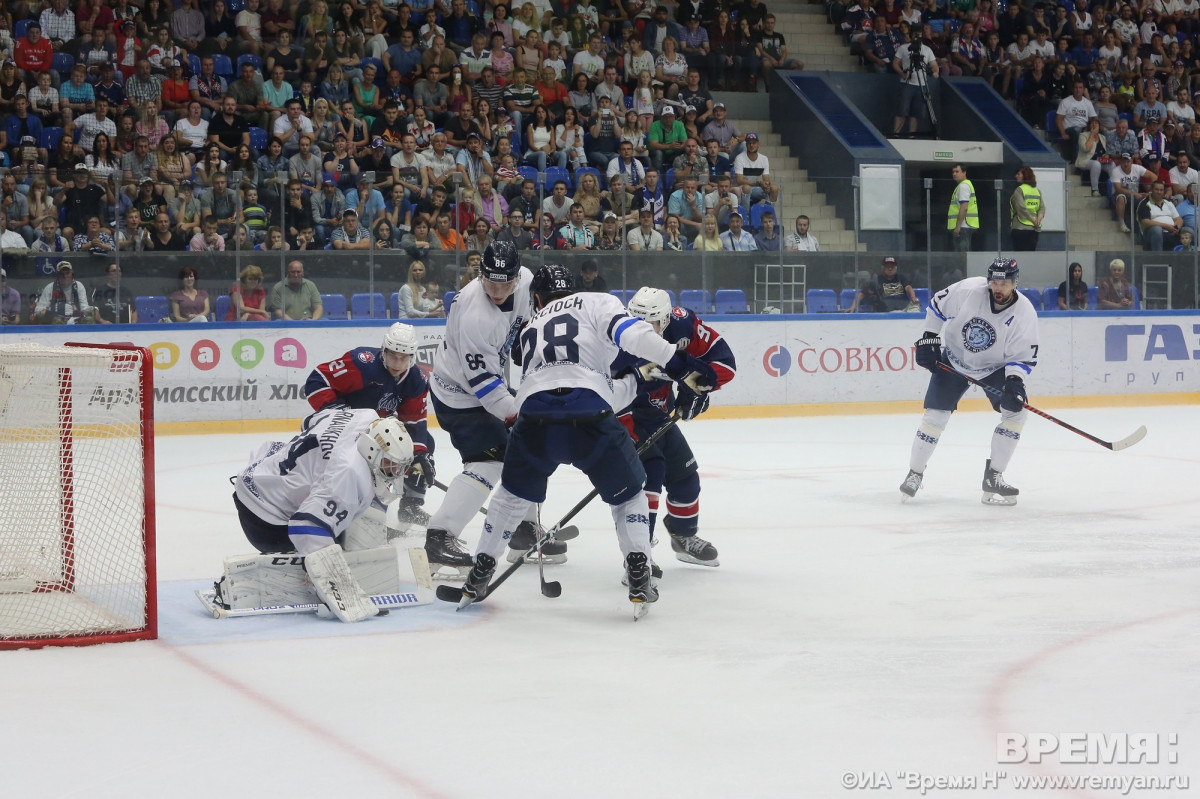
x=472 y=400
x=991 y=334
x=300 y=496
x=567 y=403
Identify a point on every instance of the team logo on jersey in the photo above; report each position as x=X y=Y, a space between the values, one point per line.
x=978 y=335
x=680 y=312
x=365 y=356
x=777 y=360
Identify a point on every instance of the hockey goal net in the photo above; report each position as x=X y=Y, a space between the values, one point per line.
x=76 y=495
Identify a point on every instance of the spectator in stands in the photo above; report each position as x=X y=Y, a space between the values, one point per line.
x=606 y=131
x=1121 y=140
x=222 y=203
x=575 y=234
x=886 y=292
x=547 y=237
x=644 y=237
x=590 y=279
x=1073 y=292
x=1114 y=292
x=33 y=52
x=912 y=103
x=709 y=239
x=752 y=170
x=1126 y=184
x=1027 y=209
x=698 y=97
x=447 y=236
x=557 y=206
x=879 y=47
x=773 y=47
x=350 y=235
x=248 y=298
x=1182 y=191
x=514 y=232
x=1092 y=152
x=1152 y=141
x=802 y=240
x=767 y=238
x=736 y=238
x=208 y=239
x=188 y=303
x=419 y=241
x=722 y=201
x=670 y=68
x=689 y=206
x=665 y=138
x=730 y=141
x=1159 y=221
x=1150 y=108
x=162 y=238
x=296 y=298
x=10 y=302
x=747 y=56
x=63 y=301
x=328 y=206
x=480 y=236
x=415 y=300
x=1073 y=114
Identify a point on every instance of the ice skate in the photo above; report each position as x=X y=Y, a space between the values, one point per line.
x=911 y=485
x=995 y=490
x=411 y=512
x=448 y=560
x=655 y=574
x=694 y=549
x=523 y=539
x=642 y=591
x=476 y=587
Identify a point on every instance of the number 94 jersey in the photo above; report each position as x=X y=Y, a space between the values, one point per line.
x=317 y=483
x=977 y=339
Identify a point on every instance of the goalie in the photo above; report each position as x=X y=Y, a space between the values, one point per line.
x=302 y=496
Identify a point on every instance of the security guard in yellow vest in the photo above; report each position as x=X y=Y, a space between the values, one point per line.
x=963 y=217
x=1027 y=211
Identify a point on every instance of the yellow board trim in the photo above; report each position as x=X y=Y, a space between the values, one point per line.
x=745 y=412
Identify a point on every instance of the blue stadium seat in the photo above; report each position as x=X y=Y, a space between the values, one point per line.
x=19 y=28
x=528 y=173
x=820 y=301
x=50 y=137
x=585 y=170
x=394 y=304
x=756 y=214
x=923 y=298
x=258 y=139
x=730 y=301
x=1034 y=297
x=361 y=306
x=194 y=63
x=629 y=102
x=555 y=174
x=846 y=299
x=234 y=6
x=221 y=309
x=62 y=63
x=222 y=65
x=447 y=301
x=335 y=306
x=1137 y=298
x=1050 y=298
x=252 y=59
x=1093 y=301
x=668 y=180
x=695 y=300
x=624 y=295
x=671 y=296
x=153 y=308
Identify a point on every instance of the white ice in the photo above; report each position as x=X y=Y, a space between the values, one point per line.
x=843 y=632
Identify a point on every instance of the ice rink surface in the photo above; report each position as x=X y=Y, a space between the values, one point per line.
x=844 y=632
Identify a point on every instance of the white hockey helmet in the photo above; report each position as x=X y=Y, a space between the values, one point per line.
x=386 y=446
x=401 y=338
x=653 y=305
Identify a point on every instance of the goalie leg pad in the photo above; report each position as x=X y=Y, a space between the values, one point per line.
x=261 y=581
x=368 y=530
x=336 y=586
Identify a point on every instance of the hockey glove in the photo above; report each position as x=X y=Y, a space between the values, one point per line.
x=649 y=373
x=696 y=374
x=689 y=403
x=421 y=472
x=929 y=351
x=1014 y=394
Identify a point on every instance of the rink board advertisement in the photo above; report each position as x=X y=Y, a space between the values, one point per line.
x=233 y=372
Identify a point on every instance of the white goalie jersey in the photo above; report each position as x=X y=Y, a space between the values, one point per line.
x=317 y=483
x=571 y=342
x=978 y=340
x=469 y=369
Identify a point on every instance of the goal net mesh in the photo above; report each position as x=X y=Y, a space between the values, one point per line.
x=73 y=552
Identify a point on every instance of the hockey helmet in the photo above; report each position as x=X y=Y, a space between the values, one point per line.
x=501 y=262
x=1003 y=269
x=552 y=281
x=386 y=446
x=653 y=305
x=400 y=338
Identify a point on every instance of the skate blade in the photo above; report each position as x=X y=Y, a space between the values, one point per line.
x=548 y=560
x=450 y=574
x=989 y=498
x=640 y=610
x=686 y=558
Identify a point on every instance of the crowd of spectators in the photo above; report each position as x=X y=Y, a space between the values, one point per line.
x=211 y=125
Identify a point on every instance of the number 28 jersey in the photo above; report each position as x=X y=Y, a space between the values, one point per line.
x=317 y=483
x=978 y=340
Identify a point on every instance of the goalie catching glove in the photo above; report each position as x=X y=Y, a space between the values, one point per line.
x=929 y=351
x=1014 y=397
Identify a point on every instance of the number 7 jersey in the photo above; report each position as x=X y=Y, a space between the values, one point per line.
x=978 y=339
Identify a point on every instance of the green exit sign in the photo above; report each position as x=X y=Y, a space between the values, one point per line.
x=943 y=154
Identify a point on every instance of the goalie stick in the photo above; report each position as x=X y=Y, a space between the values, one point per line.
x=1124 y=443
x=448 y=593
x=565 y=534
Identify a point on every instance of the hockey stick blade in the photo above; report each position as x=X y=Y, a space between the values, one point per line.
x=1124 y=443
x=449 y=593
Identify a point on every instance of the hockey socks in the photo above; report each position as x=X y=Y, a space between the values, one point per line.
x=1005 y=438
x=467 y=491
x=928 y=434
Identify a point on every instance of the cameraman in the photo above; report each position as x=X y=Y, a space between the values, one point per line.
x=915 y=64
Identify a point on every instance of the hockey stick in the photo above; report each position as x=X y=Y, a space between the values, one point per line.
x=1124 y=443
x=565 y=534
x=448 y=593
x=552 y=589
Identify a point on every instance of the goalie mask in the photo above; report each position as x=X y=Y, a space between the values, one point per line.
x=401 y=343
x=653 y=305
x=388 y=450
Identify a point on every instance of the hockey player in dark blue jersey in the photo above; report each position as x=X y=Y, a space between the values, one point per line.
x=383 y=378
x=670 y=462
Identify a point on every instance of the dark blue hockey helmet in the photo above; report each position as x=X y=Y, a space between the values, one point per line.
x=551 y=282
x=1003 y=269
x=501 y=262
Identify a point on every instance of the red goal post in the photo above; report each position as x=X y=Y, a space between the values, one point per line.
x=77 y=560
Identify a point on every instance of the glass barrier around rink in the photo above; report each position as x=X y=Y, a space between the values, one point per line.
x=829 y=239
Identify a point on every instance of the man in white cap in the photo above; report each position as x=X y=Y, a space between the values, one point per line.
x=666 y=138
x=63 y=301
